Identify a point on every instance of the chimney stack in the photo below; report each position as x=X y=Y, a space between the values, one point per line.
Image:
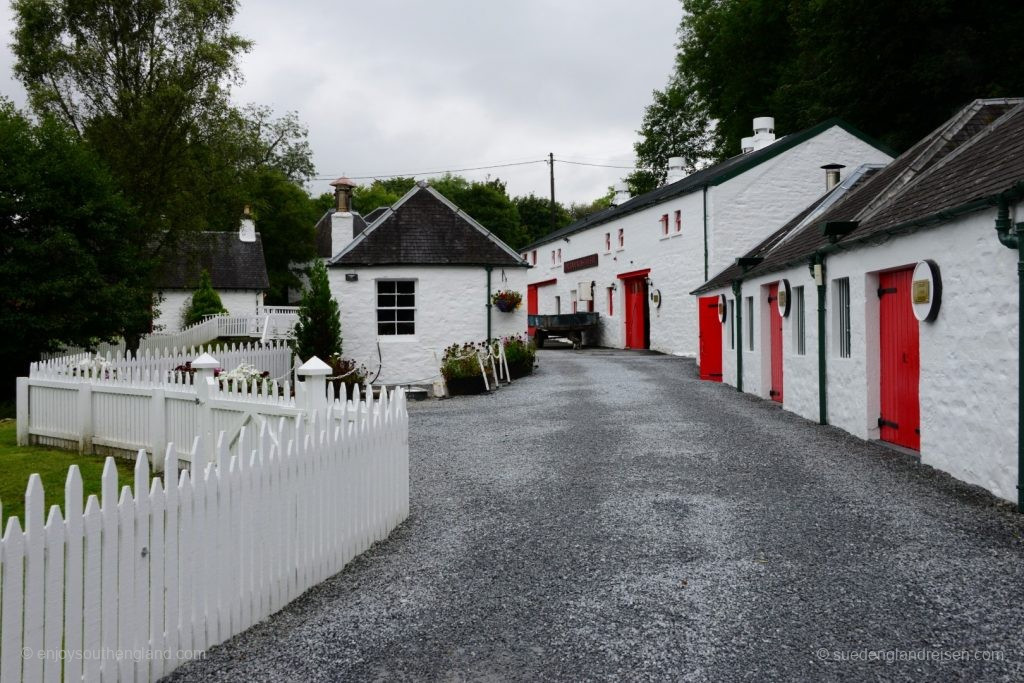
x=675 y=170
x=764 y=135
x=832 y=175
x=247 y=227
x=342 y=222
x=621 y=194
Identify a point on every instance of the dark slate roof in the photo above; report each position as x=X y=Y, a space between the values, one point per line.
x=375 y=214
x=231 y=263
x=712 y=175
x=323 y=231
x=424 y=228
x=974 y=156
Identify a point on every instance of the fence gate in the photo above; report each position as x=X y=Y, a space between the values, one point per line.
x=900 y=362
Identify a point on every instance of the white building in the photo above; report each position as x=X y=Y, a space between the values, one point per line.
x=640 y=258
x=889 y=307
x=237 y=271
x=415 y=280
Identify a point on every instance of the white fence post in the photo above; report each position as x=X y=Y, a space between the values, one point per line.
x=206 y=385
x=315 y=372
x=158 y=426
x=84 y=415
x=22 y=410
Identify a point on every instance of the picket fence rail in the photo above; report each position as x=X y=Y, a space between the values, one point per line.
x=132 y=584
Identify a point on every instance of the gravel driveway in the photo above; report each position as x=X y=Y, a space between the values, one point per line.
x=615 y=517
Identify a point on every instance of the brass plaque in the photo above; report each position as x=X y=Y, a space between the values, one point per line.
x=922 y=291
x=782 y=299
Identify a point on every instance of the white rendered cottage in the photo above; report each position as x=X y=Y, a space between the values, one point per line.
x=237 y=271
x=416 y=279
x=636 y=262
x=890 y=308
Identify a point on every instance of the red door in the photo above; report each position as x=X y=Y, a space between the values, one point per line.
x=775 y=334
x=710 y=339
x=636 y=313
x=531 y=305
x=900 y=366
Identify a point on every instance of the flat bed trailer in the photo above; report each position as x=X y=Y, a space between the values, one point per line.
x=568 y=325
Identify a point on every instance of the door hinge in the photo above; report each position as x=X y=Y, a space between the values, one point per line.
x=771 y=299
x=882 y=291
x=887 y=423
x=772 y=392
x=715 y=374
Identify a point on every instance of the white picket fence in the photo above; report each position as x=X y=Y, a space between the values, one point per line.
x=132 y=584
x=274 y=357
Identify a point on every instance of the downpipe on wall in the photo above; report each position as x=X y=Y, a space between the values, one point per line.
x=818 y=273
x=489 y=304
x=1010 y=237
x=737 y=293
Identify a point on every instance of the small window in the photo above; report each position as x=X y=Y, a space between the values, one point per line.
x=801 y=322
x=534 y=257
x=396 y=307
x=611 y=301
x=552 y=257
x=558 y=305
x=572 y=298
x=559 y=255
x=732 y=323
x=622 y=238
x=750 y=323
x=607 y=241
x=679 y=220
x=842 y=316
x=664 y=224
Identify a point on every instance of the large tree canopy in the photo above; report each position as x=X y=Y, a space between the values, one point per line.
x=893 y=69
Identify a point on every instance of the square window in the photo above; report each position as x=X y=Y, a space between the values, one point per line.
x=607 y=241
x=396 y=307
x=679 y=220
x=664 y=224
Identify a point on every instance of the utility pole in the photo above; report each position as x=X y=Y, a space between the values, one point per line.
x=551 y=164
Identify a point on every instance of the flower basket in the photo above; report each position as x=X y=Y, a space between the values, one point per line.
x=507 y=300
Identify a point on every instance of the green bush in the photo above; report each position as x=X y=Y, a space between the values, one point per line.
x=460 y=361
x=520 y=354
x=205 y=301
x=318 y=332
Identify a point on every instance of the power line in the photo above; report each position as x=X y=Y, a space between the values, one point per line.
x=581 y=163
x=450 y=170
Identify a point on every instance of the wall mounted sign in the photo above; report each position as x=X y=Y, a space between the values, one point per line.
x=656 y=298
x=782 y=298
x=580 y=263
x=721 y=308
x=926 y=291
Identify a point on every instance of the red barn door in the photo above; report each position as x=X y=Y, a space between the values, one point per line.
x=636 y=312
x=900 y=361
x=775 y=338
x=531 y=306
x=710 y=339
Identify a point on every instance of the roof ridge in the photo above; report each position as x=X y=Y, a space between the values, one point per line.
x=361 y=237
x=931 y=145
x=472 y=221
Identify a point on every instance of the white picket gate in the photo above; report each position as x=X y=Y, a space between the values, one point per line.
x=129 y=585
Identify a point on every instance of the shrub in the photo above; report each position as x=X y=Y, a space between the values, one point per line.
x=205 y=301
x=347 y=373
x=520 y=354
x=318 y=332
x=460 y=361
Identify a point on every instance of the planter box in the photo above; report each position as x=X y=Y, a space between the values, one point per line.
x=518 y=370
x=465 y=386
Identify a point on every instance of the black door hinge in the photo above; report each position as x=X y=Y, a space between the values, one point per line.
x=882 y=291
x=886 y=423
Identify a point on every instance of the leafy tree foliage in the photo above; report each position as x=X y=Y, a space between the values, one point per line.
x=318 y=332
x=285 y=217
x=893 y=69
x=205 y=301
x=582 y=210
x=535 y=217
x=72 y=265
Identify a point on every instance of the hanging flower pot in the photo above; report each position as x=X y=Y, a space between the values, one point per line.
x=507 y=300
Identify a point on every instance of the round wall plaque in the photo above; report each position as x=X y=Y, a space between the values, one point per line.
x=926 y=291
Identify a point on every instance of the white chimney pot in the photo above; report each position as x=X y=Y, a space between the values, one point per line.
x=247 y=230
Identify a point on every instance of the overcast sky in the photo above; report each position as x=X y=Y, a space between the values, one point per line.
x=392 y=86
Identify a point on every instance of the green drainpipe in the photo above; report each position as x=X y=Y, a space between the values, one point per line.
x=1012 y=239
x=737 y=292
x=705 y=233
x=489 y=305
x=819 y=260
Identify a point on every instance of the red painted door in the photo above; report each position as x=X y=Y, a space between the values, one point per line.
x=636 y=313
x=775 y=335
x=900 y=362
x=710 y=339
x=531 y=305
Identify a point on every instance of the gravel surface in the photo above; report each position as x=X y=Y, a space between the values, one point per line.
x=614 y=517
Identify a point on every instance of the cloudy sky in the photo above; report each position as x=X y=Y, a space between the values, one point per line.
x=405 y=86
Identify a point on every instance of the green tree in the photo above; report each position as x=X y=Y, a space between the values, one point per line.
x=73 y=268
x=579 y=211
x=318 y=332
x=675 y=124
x=205 y=301
x=535 y=217
x=285 y=217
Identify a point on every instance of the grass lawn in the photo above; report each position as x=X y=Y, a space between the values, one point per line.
x=18 y=462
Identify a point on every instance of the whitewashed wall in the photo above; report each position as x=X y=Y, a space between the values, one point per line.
x=175 y=301
x=450 y=308
x=741 y=212
x=968 y=385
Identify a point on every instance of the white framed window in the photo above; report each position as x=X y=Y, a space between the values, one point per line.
x=396 y=307
x=801 y=321
x=664 y=224
x=622 y=238
x=841 y=287
x=750 y=323
x=607 y=241
x=679 y=220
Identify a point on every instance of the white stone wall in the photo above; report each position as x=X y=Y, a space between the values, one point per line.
x=969 y=363
x=741 y=212
x=175 y=301
x=450 y=308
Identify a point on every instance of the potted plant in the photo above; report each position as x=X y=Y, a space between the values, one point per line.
x=520 y=354
x=346 y=373
x=507 y=300
x=461 y=370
